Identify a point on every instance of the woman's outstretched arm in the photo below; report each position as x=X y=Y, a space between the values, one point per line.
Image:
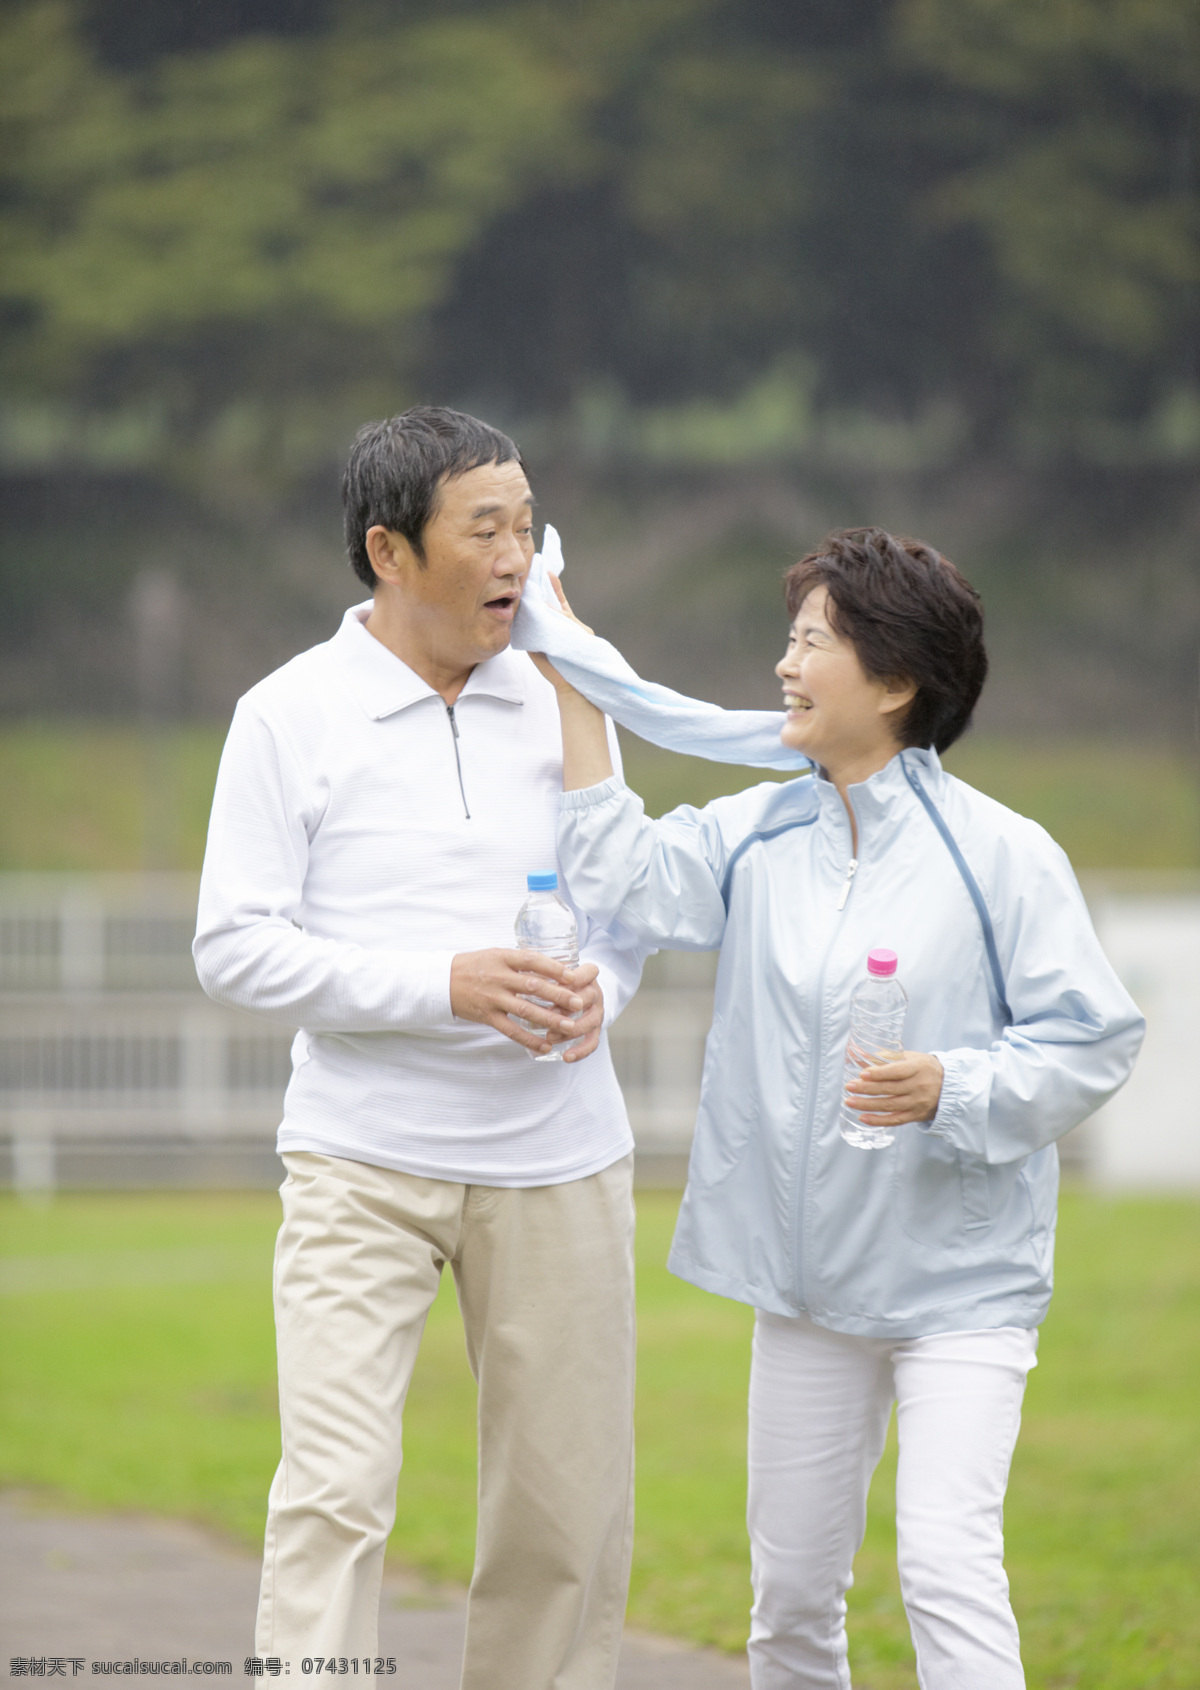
x=660 y=880
x=587 y=759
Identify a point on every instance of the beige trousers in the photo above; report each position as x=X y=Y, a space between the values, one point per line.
x=544 y=1277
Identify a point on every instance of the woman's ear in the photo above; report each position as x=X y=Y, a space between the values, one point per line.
x=898 y=695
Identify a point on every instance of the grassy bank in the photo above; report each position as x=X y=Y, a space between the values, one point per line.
x=87 y=797
x=138 y=1373
x=1108 y=805
x=104 y=797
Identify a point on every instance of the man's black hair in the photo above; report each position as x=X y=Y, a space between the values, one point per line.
x=910 y=616
x=396 y=466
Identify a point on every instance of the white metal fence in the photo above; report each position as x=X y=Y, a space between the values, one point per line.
x=1148 y=1137
x=115 y=1070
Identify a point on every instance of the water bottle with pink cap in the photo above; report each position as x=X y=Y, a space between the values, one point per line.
x=877 y=1006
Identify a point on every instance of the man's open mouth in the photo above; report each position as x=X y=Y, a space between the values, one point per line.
x=505 y=605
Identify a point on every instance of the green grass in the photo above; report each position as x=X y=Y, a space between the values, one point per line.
x=90 y=798
x=86 y=797
x=138 y=1373
x=1109 y=806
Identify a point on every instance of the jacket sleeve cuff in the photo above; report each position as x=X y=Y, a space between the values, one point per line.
x=587 y=797
x=962 y=1109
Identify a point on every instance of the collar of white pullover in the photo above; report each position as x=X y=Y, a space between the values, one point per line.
x=383 y=683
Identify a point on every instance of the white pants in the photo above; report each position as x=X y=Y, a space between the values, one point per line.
x=545 y=1282
x=819 y=1408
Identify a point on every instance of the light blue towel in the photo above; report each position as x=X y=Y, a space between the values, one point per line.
x=666 y=718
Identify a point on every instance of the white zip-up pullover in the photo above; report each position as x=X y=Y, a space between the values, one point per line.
x=362 y=834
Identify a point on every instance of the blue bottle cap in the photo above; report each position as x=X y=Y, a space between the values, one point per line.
x=542 y=882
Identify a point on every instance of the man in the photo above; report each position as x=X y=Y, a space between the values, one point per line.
x=380 y=801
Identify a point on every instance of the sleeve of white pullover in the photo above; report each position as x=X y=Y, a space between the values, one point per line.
x=250 y=949
x=658 y=880
x=1075 y=1032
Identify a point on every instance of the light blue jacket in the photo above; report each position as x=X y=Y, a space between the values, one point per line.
x=952 y=1227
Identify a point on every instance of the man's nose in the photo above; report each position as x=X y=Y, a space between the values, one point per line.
x=511 y=558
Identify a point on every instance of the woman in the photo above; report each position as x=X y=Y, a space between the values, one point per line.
x=921 y=1272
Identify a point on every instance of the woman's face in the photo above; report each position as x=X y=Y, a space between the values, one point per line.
x=836 y=713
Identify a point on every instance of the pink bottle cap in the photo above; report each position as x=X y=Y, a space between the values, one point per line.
x=881 y=962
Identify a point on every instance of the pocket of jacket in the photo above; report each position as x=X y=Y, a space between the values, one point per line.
x=976 y=1194
x=937 y=1199
x=726 y=1118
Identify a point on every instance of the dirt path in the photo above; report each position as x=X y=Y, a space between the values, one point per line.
x=101 y=1587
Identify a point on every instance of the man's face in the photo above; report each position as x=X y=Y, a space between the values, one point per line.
x=478 y=546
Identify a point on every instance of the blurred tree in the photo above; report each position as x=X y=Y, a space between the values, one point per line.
x=241 y=220
x=1079 y=120
x=991 y=203
x=128 y=34
x=878 y=243
x=264 y=223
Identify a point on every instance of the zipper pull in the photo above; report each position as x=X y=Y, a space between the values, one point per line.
x=458 y=761
x=850 y=873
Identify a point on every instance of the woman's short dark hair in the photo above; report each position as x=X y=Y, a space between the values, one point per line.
x=910 y=616
x=396 y=466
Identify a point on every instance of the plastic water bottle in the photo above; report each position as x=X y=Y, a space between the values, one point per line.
x=877 y=1007
x=544 y=923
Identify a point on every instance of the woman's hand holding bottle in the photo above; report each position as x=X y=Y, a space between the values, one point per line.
x=906 y=1089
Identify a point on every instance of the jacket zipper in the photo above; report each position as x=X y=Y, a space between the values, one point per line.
x=811 y=1110
x=458 y=760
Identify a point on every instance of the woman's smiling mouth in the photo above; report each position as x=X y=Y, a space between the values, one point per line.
x=794 y=704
